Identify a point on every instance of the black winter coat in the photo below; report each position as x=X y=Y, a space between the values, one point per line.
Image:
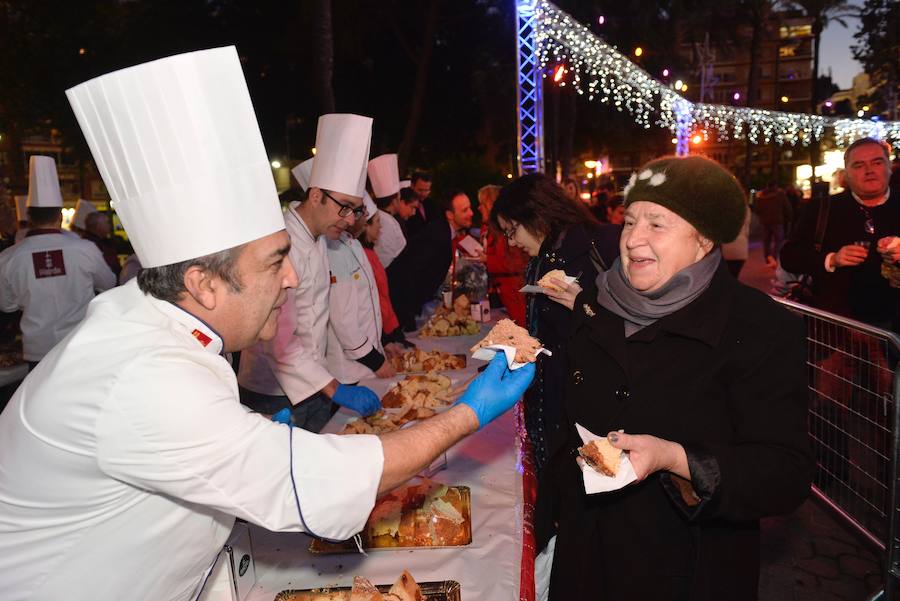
x=726 y=378
x=550 y=323
x=418 y=271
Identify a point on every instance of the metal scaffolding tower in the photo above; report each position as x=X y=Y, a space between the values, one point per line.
x=528 y=90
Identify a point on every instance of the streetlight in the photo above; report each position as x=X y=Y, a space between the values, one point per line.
x=638 y=51
x=684 y=87
x=276 y=164
x=678 y=84
x=590 y=164
x=785 y=99
x=697 y=139
x=665 y=72
x=601 y=20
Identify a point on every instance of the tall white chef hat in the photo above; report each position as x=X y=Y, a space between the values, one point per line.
x=177 y=144
x=22 y=208
x=405 y=183
x=83 y=208
x=384 y=175
x=302 y=172
x=342 y=152
x=371 y=208
x=43 y=183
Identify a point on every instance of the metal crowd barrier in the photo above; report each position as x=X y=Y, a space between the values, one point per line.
x=853 y=381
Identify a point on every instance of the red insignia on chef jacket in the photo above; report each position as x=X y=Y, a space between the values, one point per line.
x=48 y=264
x=201 y=337
x=333 y=279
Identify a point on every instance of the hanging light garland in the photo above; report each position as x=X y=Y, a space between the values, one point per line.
x=602 y=73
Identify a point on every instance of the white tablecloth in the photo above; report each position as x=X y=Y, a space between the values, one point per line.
x=488 y=569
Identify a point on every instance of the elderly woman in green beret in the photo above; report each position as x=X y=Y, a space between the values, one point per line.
x=701 y=381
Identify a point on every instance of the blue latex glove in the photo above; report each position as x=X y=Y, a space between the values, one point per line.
x=359 y=398
x=497 y=389
x=283 y=416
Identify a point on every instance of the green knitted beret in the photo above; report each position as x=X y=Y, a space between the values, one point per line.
x=698 y=189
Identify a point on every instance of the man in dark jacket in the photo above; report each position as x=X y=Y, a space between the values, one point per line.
x=774 y=211
x=862 y=221
x=417 y=272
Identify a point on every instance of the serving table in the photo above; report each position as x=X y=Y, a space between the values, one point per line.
x=489 y=569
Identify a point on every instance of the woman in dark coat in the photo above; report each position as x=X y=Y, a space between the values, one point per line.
x=558 y=232
x=702 y=381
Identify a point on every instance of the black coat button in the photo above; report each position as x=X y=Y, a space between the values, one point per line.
x=623 y=394
x=577 y=377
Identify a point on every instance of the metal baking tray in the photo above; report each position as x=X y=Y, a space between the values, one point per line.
x=445 y=590
x=320 y=547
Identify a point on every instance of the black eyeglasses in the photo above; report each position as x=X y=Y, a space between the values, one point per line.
x=869 y=223
x=511 y=233
x=345 y=209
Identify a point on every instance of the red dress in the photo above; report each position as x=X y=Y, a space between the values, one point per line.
x=389 y=321
x=506 y=268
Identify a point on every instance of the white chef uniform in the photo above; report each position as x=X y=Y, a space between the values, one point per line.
x=384 y=175
x=354 y=328
x=51 y=277
x=126 y=452
x=122 y=469
x=293 y=363
x=391 y=240
x=83 y=208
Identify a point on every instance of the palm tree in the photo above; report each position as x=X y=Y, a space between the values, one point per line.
x=822 y=12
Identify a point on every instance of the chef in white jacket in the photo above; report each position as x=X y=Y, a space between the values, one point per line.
x=50 y=276
x=384 y=175
x=126 y=454
x=291 y=370
x=354 y=326
x=302 y=172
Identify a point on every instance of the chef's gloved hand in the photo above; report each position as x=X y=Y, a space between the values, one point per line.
x=283 y=416
x=359 y=398
x=497 y=389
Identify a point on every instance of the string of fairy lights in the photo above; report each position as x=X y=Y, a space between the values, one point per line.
x=596 y=69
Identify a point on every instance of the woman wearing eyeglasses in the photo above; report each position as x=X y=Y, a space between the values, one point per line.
x=557 y=232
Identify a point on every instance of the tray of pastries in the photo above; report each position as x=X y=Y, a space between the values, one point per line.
x=405 y=589
x=424 y=515
x=417 y=360
x=424 y=390
x=382 y=422
x=455 y=321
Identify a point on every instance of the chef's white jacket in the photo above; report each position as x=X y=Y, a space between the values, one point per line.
x=293 y=363
x=126 y=454
x=51 y=277
x=391 y=240
x=354 y=327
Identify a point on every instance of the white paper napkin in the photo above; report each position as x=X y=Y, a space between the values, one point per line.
x=487 y=353
x=535 y=289
x=594 y=481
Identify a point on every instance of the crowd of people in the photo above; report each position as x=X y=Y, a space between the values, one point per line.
x=193 y=393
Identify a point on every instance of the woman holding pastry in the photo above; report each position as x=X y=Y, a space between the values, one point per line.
x=701 y=381
x=561 y=237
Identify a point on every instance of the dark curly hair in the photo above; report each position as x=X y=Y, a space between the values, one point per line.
x=540 y=205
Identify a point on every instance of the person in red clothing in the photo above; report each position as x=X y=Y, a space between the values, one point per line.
x=505 y=265
x=392 y=334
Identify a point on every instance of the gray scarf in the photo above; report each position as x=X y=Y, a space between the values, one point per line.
x=640 y=309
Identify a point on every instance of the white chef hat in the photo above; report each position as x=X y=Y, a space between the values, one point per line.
x=43 y=183
x=384 y=175
x=342 y=153
x=371 y=208
x=302 y=172
x=177 y=144
x=22 y=208
x=83 y=208
x=405 y=183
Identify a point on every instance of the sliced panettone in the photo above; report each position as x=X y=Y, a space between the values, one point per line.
x=602 y=456
x=506 y=332
x=545 y=282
